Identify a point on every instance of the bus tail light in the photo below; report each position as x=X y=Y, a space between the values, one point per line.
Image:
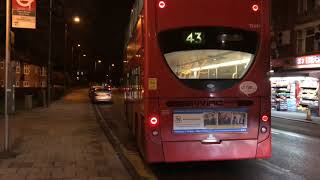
x=154 y=121
x=162 y=4
x=255 y=7
x=265 y=118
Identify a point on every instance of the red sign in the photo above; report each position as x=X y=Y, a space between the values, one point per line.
x=24 y=14
x=308 y=61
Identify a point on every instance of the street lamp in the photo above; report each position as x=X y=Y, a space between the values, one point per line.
x=95 y=66
x=76 y=20
x=79 y=45
x=84 y=55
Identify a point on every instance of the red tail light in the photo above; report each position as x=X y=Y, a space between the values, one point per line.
x=255 y=7
x=154 y=121
x=162 y=4
x=265 y=118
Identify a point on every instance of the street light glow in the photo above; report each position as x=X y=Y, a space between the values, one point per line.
x=99 y=61
x=84 y=55
x=76 y=19
x=112 y=65
x=79 y=45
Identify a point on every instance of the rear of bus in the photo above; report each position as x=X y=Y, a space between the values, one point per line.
x=208 y=94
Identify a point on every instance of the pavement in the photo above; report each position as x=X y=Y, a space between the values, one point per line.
x=62 y=142
x=295 y=116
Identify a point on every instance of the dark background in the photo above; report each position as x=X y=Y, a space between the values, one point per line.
x=101 y=34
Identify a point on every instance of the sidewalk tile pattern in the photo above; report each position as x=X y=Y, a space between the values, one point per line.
x=63 y=142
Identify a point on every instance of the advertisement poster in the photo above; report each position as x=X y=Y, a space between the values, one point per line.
x=210 y=121
x=24 y=14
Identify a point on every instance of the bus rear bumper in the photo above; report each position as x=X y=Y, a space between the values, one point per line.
x=264 y=149
x=196 y=151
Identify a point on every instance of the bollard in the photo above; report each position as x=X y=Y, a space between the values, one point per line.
x=308 y=118
x=28 y=102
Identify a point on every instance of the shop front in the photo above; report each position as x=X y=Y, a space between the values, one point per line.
x=295 y=84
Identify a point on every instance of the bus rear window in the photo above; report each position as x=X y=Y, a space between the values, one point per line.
x=209 y=53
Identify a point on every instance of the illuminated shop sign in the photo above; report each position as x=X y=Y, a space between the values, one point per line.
x=308 y=61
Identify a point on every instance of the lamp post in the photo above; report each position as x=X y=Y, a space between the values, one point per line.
x=76 y=20
x=95 y=67
x=7 y=61
x=110 y=72
x=50 y=56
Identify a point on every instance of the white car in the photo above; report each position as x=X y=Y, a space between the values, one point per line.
x=101 y=95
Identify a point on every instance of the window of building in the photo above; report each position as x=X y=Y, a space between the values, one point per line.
x=18 y=67
x=317 y=4
x=1 y=65
x=300 y=6
x=43 y=71
x=307 y=6
x=2 y=83
x=300 y=42
x=311 y=5
x=310 y=40
x=307 y=40
x=43 y=84
x=17 y=83
x=26 y=69
x=26 y=84
x=36 y=70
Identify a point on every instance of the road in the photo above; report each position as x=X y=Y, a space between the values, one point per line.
x=296 y=152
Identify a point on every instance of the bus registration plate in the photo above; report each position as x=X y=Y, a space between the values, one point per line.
x=210 y=121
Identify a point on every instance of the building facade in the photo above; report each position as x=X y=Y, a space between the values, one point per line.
x=295 y=54
x=26 y=75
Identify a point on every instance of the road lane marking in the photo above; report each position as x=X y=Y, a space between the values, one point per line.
x=277 y=169
x=287 y=133
x=272 y=166
x=295 y=135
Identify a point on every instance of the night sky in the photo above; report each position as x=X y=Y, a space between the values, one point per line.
x=102 y=30
x=101 y=34
x=103 y=25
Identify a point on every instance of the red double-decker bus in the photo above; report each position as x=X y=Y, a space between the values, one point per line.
x=196 y=78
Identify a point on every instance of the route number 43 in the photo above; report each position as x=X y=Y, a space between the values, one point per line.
x=195 y=38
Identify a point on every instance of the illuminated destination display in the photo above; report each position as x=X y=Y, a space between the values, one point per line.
x=194 y=38
x=308 y=61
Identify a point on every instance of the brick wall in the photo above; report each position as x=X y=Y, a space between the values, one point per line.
x=26 y=75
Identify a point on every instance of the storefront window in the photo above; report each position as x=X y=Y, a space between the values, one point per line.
x=294 y=93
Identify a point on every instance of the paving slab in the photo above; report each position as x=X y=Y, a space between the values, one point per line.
x=63 y=141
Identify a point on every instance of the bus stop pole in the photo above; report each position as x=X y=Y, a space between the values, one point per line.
x=49 y=68
x=7 y=61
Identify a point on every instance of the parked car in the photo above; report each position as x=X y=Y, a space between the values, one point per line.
x=101 y=95
x=92 y=89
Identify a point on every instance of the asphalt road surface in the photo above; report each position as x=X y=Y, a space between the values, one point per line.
x=296 y=153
